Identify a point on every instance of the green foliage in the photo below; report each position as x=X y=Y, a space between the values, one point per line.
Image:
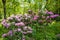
x=40 y=32
x=53 y=5
x=22 y=6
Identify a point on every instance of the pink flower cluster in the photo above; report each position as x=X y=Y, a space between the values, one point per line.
x=35 y=17
x=10 y=33
x=4 y=23
x=19 y=23
x=51 y=14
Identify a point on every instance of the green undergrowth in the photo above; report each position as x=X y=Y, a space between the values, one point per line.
x=40 y=32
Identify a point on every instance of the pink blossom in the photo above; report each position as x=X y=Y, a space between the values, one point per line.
x=4 y=35
x=7 y=25
x=17 y=17
x=47 y=17
x=19 y=24
x=18 y=29
x=53 y=16
x=10 y=33
x=25 y=28
x=51 y=13
x=4 y=21
x=27 y=16
x=24 y=32
x=35 y=17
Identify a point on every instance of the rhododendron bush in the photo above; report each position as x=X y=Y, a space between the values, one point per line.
x=19 y=25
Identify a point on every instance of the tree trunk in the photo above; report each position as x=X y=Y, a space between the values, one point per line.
x=4 y=6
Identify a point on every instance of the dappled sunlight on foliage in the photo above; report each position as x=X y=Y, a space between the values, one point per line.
x=29 y=20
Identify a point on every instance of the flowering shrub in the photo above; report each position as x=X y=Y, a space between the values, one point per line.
x=16 y=24
x=19 y=24
x=47 y=17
